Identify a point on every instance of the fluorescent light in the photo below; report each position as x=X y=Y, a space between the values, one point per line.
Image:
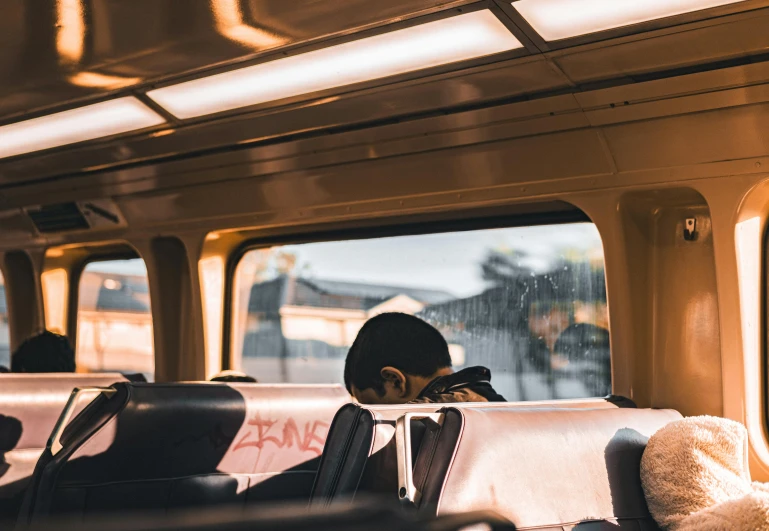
x=440 y=42
x=76 y=125
x=561 y=19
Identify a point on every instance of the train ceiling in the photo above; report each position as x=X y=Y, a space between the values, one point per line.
x=95 y=84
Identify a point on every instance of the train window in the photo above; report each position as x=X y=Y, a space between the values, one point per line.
x=5 y=339
x=527 y=302
x=114 y=323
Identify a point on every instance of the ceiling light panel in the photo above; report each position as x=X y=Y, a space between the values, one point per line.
x=436 y=43
x=76 y=125
x=561 y=19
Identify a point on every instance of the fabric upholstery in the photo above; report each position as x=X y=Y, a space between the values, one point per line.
x=695 y=475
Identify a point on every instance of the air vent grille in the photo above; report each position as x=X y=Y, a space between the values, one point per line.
x=58 y=218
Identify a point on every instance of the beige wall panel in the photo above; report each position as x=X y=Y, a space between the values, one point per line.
x=686 y=339
x=24 y=296
x=728 y=134
x=640 y=54
x=570 y=154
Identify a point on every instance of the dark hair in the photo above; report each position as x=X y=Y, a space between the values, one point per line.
x=45 y=352
x=583 y=341
x=10 y=433
x=398 y=340
x=233 y=377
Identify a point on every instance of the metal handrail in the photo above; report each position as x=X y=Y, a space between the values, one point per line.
x=407 y=491
x=54 y=442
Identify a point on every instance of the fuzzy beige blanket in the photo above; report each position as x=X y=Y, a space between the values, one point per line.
x=695 y=476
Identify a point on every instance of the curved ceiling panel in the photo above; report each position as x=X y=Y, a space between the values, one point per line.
x=57 y=51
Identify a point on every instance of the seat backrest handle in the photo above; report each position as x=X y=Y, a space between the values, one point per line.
x=54 y=443
x=407 y=491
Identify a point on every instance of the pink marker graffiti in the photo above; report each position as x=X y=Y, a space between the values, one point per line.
x=310 y=441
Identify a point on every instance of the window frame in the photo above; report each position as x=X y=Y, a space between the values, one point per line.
x=462 y=221
x=7 y=315
x=764 y=333
x=76 y=275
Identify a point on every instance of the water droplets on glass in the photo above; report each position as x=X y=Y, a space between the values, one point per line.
x=527 y=302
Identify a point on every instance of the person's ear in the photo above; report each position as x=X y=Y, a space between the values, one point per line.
x=396 y=379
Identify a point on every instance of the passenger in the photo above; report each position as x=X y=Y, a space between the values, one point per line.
x=543 y=319
x=546 y=321
x=583 y=351
x=398 y=358
x=233 y=377
x=10 y=433
x=45 y=352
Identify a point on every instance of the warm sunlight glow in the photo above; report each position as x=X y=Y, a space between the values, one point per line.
x=76 y=125
x=212 y=282
x=71 y=35
x=114 y=318
x=748 y=240
x=561 y=19
x=246 y=274
x=103 y=81
x=164 y=132
x=297 y=308
x=432 y=44
x=55 y=289
x=230 y=23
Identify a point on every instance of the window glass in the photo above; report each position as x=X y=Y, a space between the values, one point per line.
x=5 y=339
x=527 y=302
x=114 y=323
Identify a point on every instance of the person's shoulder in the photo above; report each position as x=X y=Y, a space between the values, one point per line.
x=478 y=392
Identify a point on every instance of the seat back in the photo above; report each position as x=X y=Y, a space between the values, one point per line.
x=285 y=517
x=30 y=404
x=160 y=446
x=360 y=456
x=543 y=469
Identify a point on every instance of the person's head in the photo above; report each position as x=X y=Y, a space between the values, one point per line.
x=393 y=358
x=548 y=319
x=583 y=342
x=45 y=352
x=233 y=377
x=10 y=433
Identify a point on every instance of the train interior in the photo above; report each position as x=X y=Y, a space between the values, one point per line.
x=575 y=194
